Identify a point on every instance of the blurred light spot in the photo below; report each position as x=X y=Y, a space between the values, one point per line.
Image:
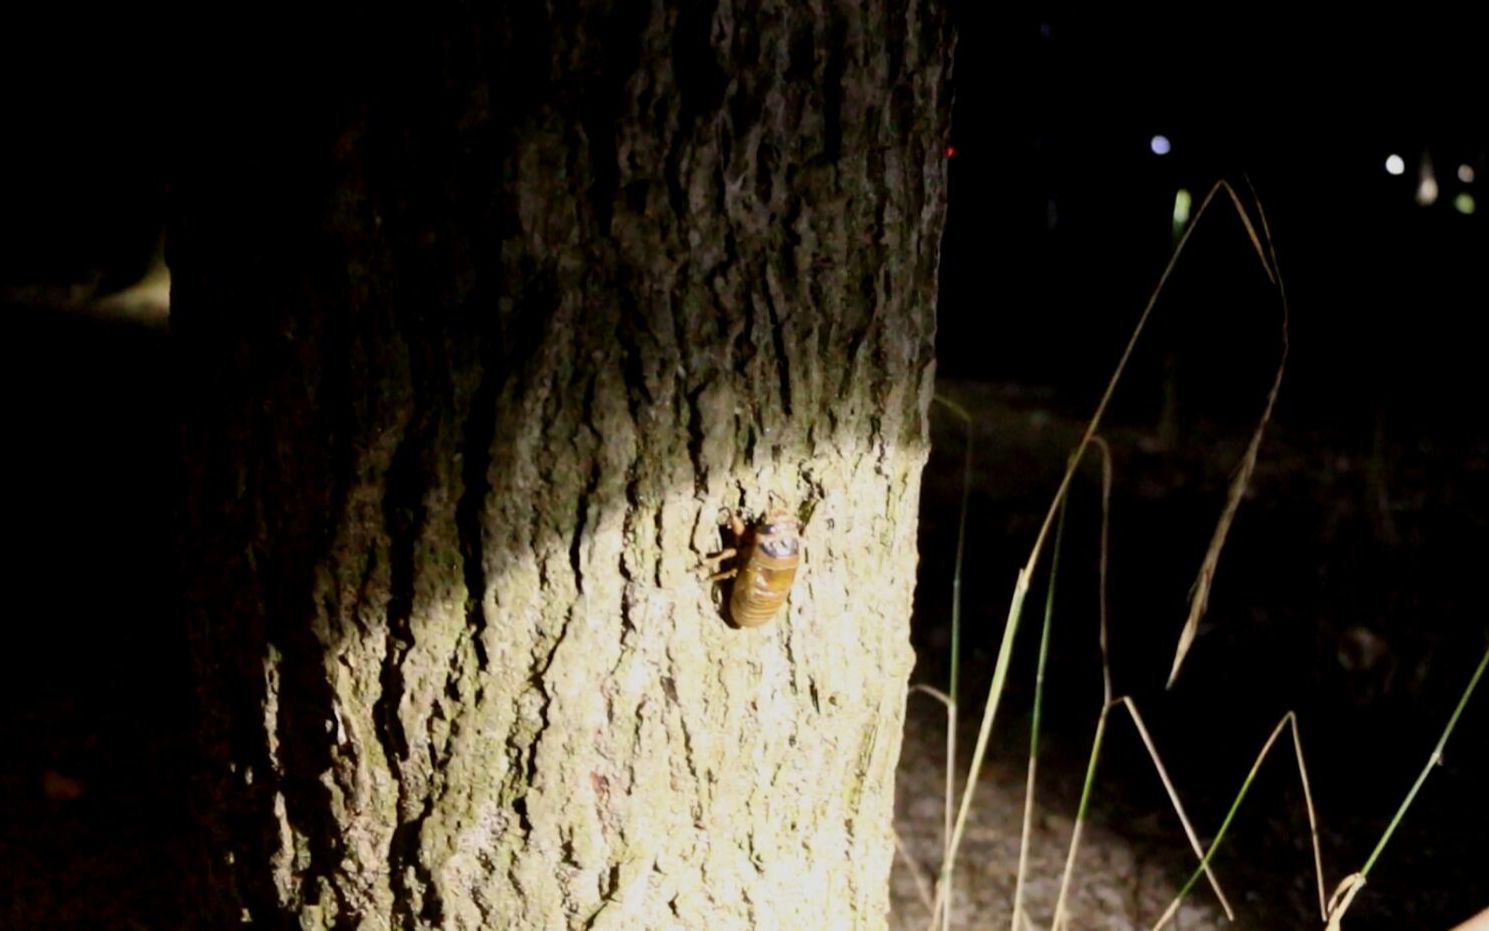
x=1465 y=174
x=1051 y=214
x=1160 y=145
x=1463 y=203
x=1426 y=183
x=1182 y=202
x=1044 y=30
x=951 y=151
x=1395 y=165
x=147 y=301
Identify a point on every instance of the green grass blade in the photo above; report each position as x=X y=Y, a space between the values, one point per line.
x=947 y=882
x=1057 y=923
x=984 y=731
x=1044 y=650
x=1229 y=817
x=1433 y=760
x=1344 y=895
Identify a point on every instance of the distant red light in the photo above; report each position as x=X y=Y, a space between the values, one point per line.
x=951 y=151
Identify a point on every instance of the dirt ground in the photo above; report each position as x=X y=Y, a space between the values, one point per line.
x=1121 y=883
x=1345 y=594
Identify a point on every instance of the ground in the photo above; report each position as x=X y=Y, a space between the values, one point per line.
x=1122 y=882
x=1344 y=594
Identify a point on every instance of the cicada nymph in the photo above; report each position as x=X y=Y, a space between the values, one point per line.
x=765 y=556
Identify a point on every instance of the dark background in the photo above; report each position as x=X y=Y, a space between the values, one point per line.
x=1053 y=120
x=1058 y=227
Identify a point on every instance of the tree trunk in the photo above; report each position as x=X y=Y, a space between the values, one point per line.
x=475 y=355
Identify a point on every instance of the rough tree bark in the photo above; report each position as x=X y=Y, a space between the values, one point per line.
x=475 y=347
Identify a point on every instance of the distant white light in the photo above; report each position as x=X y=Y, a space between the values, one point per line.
x=1465 y=174
x=1464 y=203
x=1395 y=165
x=1160 y=145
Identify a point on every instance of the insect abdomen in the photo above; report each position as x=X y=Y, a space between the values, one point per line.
x=761 y=587
x=765 y=560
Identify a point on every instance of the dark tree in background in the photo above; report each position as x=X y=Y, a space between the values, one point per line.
x=480 y=322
